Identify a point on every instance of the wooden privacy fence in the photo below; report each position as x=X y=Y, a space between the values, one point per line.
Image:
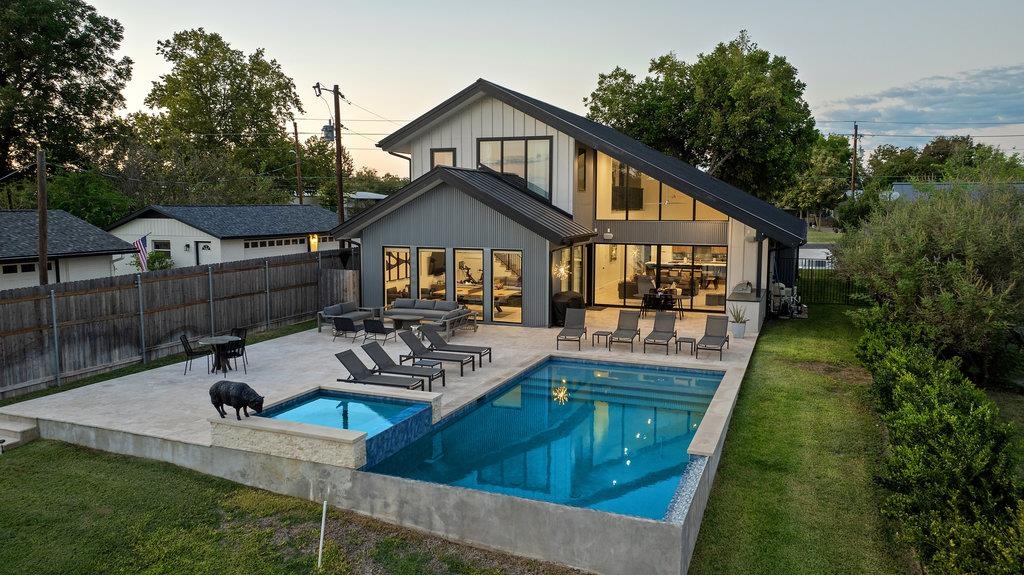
x=68 y=330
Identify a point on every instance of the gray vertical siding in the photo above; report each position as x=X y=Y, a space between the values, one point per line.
x=446 y=218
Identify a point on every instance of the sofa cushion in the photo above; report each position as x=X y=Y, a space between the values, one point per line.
x=431 y=313
x=334 y=310
x=348 y=306
x=424 y=304
x=404 y=303
x=446 y=305
x=358 y=315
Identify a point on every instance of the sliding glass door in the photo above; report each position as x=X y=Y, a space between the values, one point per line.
x=623 y=273
x=507 y=286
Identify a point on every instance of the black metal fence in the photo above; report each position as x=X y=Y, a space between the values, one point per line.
x=817 y=282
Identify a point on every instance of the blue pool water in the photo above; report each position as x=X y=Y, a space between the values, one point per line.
x=347 y=411
x=599 y=435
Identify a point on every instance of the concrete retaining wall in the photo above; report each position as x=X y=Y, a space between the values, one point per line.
x=337 y=447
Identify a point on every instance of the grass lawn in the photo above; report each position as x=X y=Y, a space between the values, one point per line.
x=70 y=510
x=794 y=492
x=822 y=236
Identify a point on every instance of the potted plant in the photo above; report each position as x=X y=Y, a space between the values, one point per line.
x=738 y=319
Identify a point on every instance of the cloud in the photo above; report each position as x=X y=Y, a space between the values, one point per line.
x=934 y=105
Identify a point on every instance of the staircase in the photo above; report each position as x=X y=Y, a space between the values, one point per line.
x=17 y=431
x=506 y=265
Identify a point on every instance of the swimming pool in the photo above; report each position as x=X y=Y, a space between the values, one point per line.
x=600 y=435
x=343 y=410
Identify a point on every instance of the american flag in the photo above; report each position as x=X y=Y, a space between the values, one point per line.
x=140 y=247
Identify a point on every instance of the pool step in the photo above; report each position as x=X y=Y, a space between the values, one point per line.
x=17 y=431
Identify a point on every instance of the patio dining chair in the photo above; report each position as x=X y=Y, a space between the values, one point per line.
x=575 y=327
x=627 y=330
x=191 y=354
x=233 y=350
x=716 y=335
x=664 y=330
x=241 y=333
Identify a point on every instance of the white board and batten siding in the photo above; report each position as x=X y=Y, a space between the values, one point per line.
x=488 y=117
x=178 y=233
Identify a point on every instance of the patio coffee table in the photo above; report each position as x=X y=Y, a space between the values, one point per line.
x=217 y=342
x=403 y=321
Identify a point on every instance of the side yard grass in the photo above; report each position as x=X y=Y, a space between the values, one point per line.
x=795 y=490
x=70 y=510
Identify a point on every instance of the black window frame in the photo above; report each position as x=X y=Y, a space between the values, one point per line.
x=526 y=146
x=455 y=156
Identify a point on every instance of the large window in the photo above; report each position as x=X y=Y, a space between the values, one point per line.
x=528 y=158
x=431 y=274
x=694 y=274
x=507 y=286
x=396 y=274
x=567 y=270
x=625 y=193
x=469 y=278
x=442 y=157
x=162 y=246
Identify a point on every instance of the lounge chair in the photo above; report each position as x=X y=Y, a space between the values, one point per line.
x=627 y=329
x=376 y=328
x=359 y=373
x=191 y=354
x=344 y=326
x=664 y=330
x=419 y=351
x=575 y=327
x=387 y=365
x=438 y=343
x=716 y=335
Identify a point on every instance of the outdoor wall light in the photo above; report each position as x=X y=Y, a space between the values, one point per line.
x=608 y=234
x=188 y=247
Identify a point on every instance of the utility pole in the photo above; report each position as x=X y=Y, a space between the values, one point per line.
x=338 y=164
x=853 y=165
x=41 y=202
x=298 y=163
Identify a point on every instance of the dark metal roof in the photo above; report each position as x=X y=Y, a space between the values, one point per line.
x=724 y=197
x=67 y=236
x=493 y=190
x=244 y=221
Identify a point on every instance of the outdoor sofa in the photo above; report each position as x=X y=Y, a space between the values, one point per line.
x=446 y=316
x=347 y=309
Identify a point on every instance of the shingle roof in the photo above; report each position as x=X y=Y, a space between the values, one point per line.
x=67 y=236
x=724 y=197
x=489 y=188
x=244 y=221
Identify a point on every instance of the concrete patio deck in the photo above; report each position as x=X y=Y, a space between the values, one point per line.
x=164 y=403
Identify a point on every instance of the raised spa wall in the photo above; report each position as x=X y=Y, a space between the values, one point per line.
x=338 y=447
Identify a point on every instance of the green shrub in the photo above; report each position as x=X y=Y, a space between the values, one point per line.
x=950 y=464
x=159 y=261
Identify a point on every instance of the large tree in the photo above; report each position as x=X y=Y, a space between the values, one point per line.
x=825 y=180
x=60 y=82
x=737 y=112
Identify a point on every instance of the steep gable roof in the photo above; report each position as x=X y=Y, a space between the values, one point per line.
x=244 y=221
x=724 y=197
x=66 y=236
x=495 y=190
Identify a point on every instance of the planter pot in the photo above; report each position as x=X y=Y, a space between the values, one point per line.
x=738 y=329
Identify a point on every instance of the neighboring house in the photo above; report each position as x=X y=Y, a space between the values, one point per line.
x=513 y=200
x=911 y=191
x=200 y=235
x=76 y=250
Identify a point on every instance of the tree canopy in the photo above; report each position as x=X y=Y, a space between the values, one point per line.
x=823 y=183
x=737 y=112
x=60 y=82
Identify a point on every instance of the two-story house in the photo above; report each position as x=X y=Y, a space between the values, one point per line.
x=513 y=199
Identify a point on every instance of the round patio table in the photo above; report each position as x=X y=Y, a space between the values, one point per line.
x=403 y=321
x=218 y=343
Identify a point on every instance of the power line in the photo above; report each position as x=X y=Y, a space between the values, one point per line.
x=906 y=123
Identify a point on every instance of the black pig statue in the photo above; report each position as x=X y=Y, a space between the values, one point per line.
x=235 y=394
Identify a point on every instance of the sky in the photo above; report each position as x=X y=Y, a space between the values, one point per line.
x=915 y=69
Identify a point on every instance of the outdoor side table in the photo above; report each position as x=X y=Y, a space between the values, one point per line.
x=597 y=335
x=426 y=363
x=217 y=342
x=681 y=340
